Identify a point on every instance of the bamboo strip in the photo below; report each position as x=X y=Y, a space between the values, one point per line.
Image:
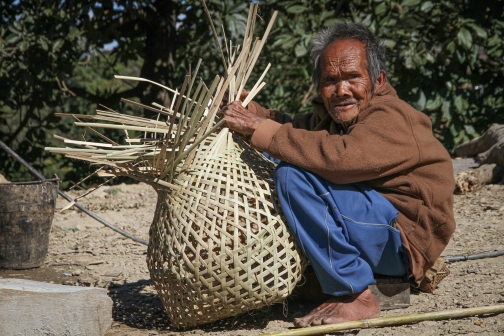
x=225 y=42
x=391 y=320
x=123 y=127
x=146 y=80
x=95 y=144
x=130 y=121
x=98 y=133
x=252 y=94
x=179 y=100
x=131 y=102
x=259 y=81
x=85 y=158
x=76 y=150
x=214 y=34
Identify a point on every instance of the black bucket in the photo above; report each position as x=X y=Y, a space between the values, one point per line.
x=26 y=214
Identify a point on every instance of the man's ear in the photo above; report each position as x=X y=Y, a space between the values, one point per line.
x=382 y=78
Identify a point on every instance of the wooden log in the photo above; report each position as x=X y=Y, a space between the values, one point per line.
x=467 y=181
x=489 y=147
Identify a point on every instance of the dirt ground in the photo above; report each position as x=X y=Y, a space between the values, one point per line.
x=83 y=252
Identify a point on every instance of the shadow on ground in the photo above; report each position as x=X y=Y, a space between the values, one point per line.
x=137 y=306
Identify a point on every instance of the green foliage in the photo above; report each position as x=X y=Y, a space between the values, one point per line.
x=445 y=58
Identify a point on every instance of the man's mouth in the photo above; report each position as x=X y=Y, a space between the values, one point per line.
x=345 y=105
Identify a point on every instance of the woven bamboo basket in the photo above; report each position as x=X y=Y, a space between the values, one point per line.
x=218 y=245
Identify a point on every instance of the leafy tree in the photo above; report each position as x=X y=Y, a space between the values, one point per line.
x=445 y=57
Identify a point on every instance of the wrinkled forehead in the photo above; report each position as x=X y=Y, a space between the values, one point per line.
x=343 y=55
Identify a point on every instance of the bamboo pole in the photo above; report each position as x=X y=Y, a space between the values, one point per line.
x=391 y=320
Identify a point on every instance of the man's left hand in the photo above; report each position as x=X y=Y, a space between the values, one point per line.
x=240 y=119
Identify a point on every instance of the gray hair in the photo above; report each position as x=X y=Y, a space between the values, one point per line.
x=375 y=52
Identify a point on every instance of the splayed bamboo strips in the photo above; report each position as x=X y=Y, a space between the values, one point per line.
x=217 y=83
x=263 y=40
x=390 y=321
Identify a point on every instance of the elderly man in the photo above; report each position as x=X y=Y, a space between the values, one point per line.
x=365 y=186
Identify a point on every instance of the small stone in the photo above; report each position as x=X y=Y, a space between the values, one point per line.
x=113 y=274
x=478 y=322
x=469 y=295
x=472 y=270
x=77 y=272
x=97 y=262
x=67 y=274
x=90 y=267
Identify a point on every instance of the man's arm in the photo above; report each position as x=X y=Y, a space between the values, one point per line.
x=381 y=144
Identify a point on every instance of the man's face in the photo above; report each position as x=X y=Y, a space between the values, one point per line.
x=344 y=85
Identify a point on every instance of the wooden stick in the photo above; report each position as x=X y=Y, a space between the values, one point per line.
x=391 y=320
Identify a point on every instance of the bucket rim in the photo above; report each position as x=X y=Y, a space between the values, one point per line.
x=53 y=180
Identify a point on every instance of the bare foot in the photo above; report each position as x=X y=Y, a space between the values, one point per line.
x=342 y=309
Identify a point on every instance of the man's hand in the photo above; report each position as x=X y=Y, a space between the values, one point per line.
x=240 y=119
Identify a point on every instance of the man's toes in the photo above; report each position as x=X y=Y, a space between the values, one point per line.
x=316 y=322
x=300 y=322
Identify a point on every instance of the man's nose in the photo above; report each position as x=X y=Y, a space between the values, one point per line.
x=342 y=89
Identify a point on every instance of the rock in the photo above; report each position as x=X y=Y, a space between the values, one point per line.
x=39 y=308
x=3 y=179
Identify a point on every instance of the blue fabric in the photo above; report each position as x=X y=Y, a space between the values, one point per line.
x=343 y=229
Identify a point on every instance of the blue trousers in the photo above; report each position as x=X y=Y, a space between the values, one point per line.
x=344 y=230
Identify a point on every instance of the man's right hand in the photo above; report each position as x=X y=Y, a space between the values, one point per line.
x=225 y=100
x=239 y=119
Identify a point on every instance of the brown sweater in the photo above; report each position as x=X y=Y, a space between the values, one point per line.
x=391 y=148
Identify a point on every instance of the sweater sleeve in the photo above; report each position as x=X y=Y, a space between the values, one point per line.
x=381 y=144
